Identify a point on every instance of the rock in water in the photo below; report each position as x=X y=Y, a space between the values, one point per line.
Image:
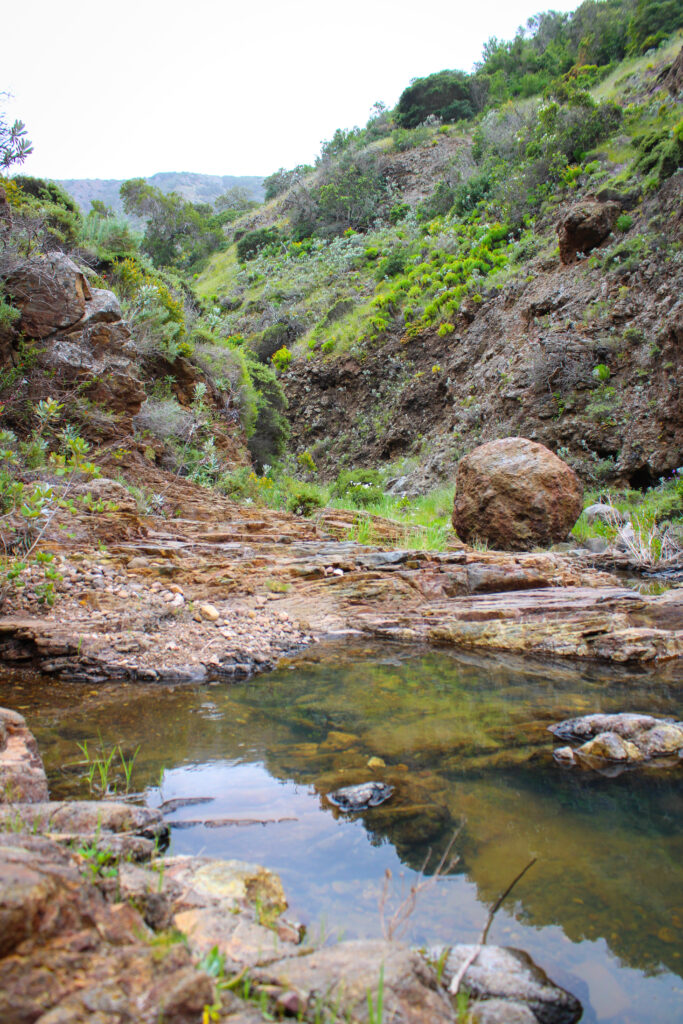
x=358 y=798
x=624 y=738
x=515 y=494
x=508 y=987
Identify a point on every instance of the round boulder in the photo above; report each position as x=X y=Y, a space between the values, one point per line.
x=515 y=494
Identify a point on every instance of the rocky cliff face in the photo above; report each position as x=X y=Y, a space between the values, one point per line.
x=584 y=357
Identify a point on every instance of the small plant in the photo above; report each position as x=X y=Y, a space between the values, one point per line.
x=602 y=372
x=282 y=359
x=624 y=223
x=376 y=1011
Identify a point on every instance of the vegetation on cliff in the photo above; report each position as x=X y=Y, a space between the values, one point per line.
x=401 y=301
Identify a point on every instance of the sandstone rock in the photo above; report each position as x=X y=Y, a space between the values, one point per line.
x=103 y=489
x=664 y=739
x=209 y=612
x=621 y=738
x=337 y=981
x=87 y=817
x=22 y=776
x=502 y=975
x=600 y=513
x=51 y=293
x=585 y=227
x=102 y=307
x=609 y=747
x=624 y=724
x=67 y=955
x=672 y=77
x=515 y=494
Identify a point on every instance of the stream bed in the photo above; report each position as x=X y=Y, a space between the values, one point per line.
x=464 y=741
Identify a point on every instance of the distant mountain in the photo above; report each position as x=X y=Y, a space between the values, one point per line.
x=198 y=188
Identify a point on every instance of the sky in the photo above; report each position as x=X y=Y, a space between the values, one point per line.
x=132 y=87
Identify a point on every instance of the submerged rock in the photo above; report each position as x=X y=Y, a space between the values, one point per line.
x=358 y=798
x=508 y=986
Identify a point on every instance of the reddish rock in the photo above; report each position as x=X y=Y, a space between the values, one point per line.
x=22 y=776
x=51 y=293
x=584 y=227
x=515 y=494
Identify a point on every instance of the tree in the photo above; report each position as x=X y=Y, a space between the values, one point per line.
x=14 y=144
x=178 y=233
x=236 y=198
x=446 y=94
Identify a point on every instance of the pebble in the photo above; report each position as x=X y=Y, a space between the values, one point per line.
x=209 y=612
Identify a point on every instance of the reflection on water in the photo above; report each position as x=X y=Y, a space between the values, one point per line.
x=464 y=740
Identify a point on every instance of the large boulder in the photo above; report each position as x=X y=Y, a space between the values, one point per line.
x=584 y=227
x=515 y=494
x=51 y=293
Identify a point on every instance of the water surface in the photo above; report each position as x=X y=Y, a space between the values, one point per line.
x=464 y=740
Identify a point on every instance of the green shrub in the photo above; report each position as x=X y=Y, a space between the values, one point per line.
x=271 y=429
x=624 y=222
x=660 y=153
x=251 y=243
x=392 y=264
x=398 y=212
x=282 y=359
x=305 y=499
x=274 y=338
x=361 y=486
x=59 y=214
x=446 y=94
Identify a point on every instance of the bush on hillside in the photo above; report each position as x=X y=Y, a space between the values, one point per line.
x=56 y=217
x=361 y=486
x=251 y=243
x=271 y=429
x=305 y=499
x=446 y=94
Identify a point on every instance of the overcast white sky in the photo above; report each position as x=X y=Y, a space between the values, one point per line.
x=132 y=87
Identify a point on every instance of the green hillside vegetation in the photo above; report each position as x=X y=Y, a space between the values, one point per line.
x=425 y=212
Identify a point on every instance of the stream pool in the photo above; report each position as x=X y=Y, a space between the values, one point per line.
x=464 y=740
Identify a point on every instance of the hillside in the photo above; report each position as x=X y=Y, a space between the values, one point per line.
x=196 y=188
x=447 y=318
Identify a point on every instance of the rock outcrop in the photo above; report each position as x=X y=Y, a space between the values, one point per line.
x=584 y=228
x=51 y=293
x=22 y=776
x=515 y=494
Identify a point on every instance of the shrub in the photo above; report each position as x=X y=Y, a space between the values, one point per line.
x=624 y=222
x=275 y=337
x=166 y=419
x=392 y=265
x=282 y=359
x=304 y=499
x=446 y=94
x=660 y=153
x=45 y=202
x=398 y=212
x=271 y=429
x=361 y=486
x=251 y=243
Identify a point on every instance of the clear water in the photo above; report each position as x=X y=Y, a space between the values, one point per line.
x=464 y=740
